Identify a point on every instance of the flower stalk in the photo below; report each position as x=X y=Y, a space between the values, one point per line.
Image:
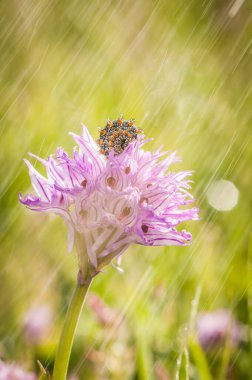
x=70 y=324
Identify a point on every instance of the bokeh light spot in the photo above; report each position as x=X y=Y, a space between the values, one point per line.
x=223 y=195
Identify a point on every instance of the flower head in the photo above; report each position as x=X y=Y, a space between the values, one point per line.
x=113 y=194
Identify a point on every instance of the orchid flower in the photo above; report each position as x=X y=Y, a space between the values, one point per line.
x=109 y=199
x=111 y=193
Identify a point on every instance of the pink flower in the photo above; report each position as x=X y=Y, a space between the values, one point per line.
x=213 y=329
x=36 y=323
x=14 y=372
x=114 y=195
x=104 y=314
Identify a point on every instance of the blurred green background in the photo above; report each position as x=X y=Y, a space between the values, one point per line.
x=183 y=70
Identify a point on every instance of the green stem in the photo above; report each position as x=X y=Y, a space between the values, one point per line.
x=71 y=321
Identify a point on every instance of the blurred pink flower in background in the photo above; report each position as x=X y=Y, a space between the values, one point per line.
x=104 y=314
x=161 y=371
x=14 y=372
x=215 y=328
x=37 y=323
